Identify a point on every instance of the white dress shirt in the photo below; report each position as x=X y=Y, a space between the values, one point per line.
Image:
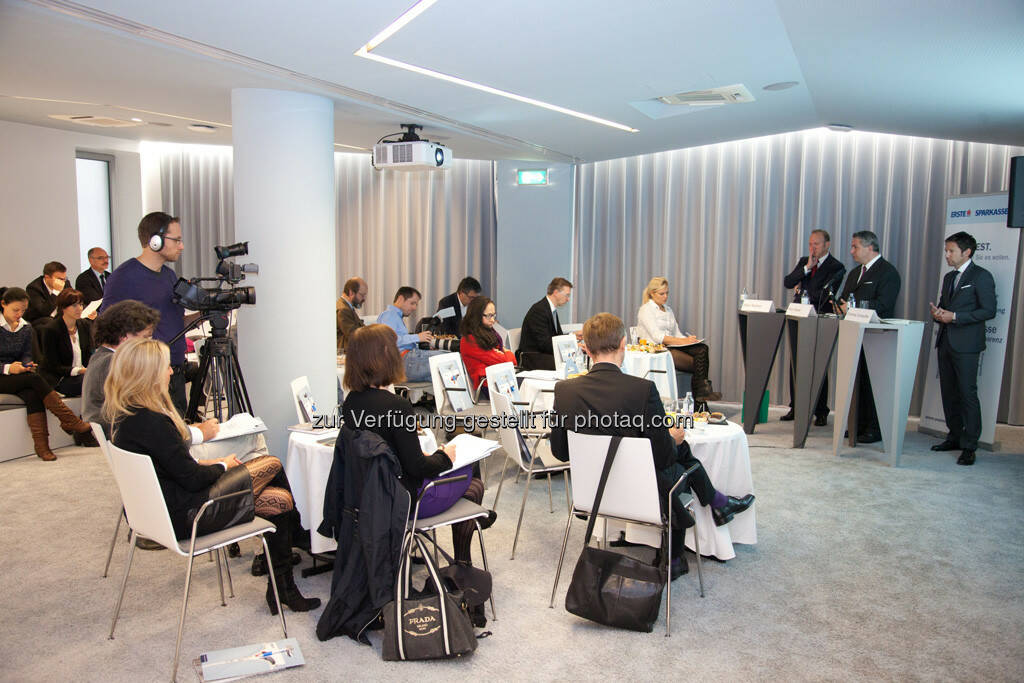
x=655 y=324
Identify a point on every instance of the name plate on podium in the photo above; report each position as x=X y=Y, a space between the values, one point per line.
x=758 y=306
x=862 y=315
x=796 y=310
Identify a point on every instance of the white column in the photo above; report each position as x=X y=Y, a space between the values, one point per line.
x=284 y=208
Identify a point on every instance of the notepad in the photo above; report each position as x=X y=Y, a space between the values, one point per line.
x=239 y=424
x=470 y=449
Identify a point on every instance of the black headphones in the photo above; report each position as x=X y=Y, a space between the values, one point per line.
x=156 y=242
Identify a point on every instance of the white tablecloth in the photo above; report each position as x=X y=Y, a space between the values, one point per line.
x=640 y=364
x=539 y=390
x=308 y=467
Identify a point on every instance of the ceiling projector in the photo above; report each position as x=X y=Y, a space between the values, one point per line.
x=410 y=153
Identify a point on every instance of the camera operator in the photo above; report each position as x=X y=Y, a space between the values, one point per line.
x=148 y=278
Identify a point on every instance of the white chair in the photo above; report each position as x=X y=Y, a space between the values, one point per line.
x=535 y=460
x=147 y=516
x=514 y=335
x=101 y=439
x=305 y=404
x=630 y=495
x=563 y=346
x=451 y=386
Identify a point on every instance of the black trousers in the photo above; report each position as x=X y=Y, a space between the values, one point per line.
x=958 y=382
x=177 y=390
x=867 y=416
x=535 y=360
x=698 y=483
x=70 y=386
x=29 y=387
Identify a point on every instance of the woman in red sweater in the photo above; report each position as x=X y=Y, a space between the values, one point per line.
x=480 y=345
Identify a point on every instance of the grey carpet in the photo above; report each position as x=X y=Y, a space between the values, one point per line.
x=860 y=572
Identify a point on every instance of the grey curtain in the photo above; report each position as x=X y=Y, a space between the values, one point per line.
x=719 y=218
x=426 y=229
x=196 y=185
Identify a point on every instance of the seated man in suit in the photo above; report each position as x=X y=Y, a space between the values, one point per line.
x=817 y=276
x=875 y=283
x=540 y=325
x=416 y=360
x=90 y=282
x=353 y=294
x=43 y=291
x=469 y=289
x=607 y=391
x=967 y=300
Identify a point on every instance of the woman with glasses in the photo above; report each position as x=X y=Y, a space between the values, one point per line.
x=67 y=345
x=480 y=345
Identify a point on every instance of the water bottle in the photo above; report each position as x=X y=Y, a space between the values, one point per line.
x=743 y=296
x=804 y=298
x=852 y=303
x=688 y=404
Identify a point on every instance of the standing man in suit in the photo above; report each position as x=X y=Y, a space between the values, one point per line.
x=540 y=325
x=93 y=280
x=967 y=300
x=469 y=289
x=43 y=291
x=353 y=294
x=875 y=284
x=632 y=408
x=817 y=275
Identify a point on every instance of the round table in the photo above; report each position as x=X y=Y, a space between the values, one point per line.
x=657 y=367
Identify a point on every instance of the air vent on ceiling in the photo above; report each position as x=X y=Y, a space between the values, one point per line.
x=729 y=94
x=101 y=121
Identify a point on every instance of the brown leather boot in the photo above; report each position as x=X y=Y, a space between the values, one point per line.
x=69 y=422
x=40 y=436
x=705 y=392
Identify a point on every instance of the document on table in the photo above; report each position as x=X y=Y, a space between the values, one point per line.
x=682 y=346
x=239 y=425
x=538 y=374
x=469 y=449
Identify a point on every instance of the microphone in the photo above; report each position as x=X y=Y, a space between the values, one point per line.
x=829 y=287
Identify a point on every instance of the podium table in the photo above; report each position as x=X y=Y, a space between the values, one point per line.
x=760 y=334
x=813 y=339
x=891 y=349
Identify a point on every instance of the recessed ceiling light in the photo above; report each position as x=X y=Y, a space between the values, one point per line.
x=201 y=128
x=781 y=85
x=839 y=127
x=366 y=52
x=362 y=149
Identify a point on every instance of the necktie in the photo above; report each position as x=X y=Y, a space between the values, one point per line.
x=558 y=326
x=103 y=281
x=952 y=285
x=861 y=276
x=814 y=270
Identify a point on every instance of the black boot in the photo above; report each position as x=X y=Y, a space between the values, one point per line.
x=280 y=544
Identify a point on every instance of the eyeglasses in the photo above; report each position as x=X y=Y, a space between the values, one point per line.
x=490 y=316
x=176 y=239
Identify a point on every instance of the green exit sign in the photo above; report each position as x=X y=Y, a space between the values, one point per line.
x=535 y=177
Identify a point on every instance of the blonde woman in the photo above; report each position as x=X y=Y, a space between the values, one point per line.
x=143 y=420
x=657 y=323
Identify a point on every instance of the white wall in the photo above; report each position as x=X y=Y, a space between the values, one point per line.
x=39 y=199
x=534 y=237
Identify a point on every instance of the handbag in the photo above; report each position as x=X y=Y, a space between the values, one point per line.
x=611 y=588
x=230 y=512
x=431 y=625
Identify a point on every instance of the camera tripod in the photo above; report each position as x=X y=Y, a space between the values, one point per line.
x=219 y=372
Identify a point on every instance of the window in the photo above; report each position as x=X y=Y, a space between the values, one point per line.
x=93 y=177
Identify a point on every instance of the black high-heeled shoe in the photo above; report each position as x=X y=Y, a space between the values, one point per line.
x=289 y=593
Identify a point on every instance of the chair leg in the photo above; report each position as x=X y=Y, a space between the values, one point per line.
x=184 y=604
x=124 y=581
x=501 y=481
x=113 y=542
x=273 y=584
x=526 y=491
x=551 y=500
x=561 y=556
x=227 y=570
x=668 y=585
x=220 y=576
x=700 y=570
x=568 y=492
x=483 y=556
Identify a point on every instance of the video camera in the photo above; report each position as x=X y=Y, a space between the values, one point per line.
x=191 y=294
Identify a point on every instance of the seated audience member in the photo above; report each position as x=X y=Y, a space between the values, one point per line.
x=481 y=346
x=657 y=323
x=67 y=345
x=372 y=364
x=540 y=325
x=90 y=282
x=469 y=289
x=415 y=359
x=607 y=392
x=143 y=420
x=353 y=294
x=20 y=378
x=43 y=291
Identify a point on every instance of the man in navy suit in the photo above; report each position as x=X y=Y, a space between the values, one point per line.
x=92 y=281
x=967 y=300
x=817 y=275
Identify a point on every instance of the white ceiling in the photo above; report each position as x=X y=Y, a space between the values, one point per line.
x=935 y=68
